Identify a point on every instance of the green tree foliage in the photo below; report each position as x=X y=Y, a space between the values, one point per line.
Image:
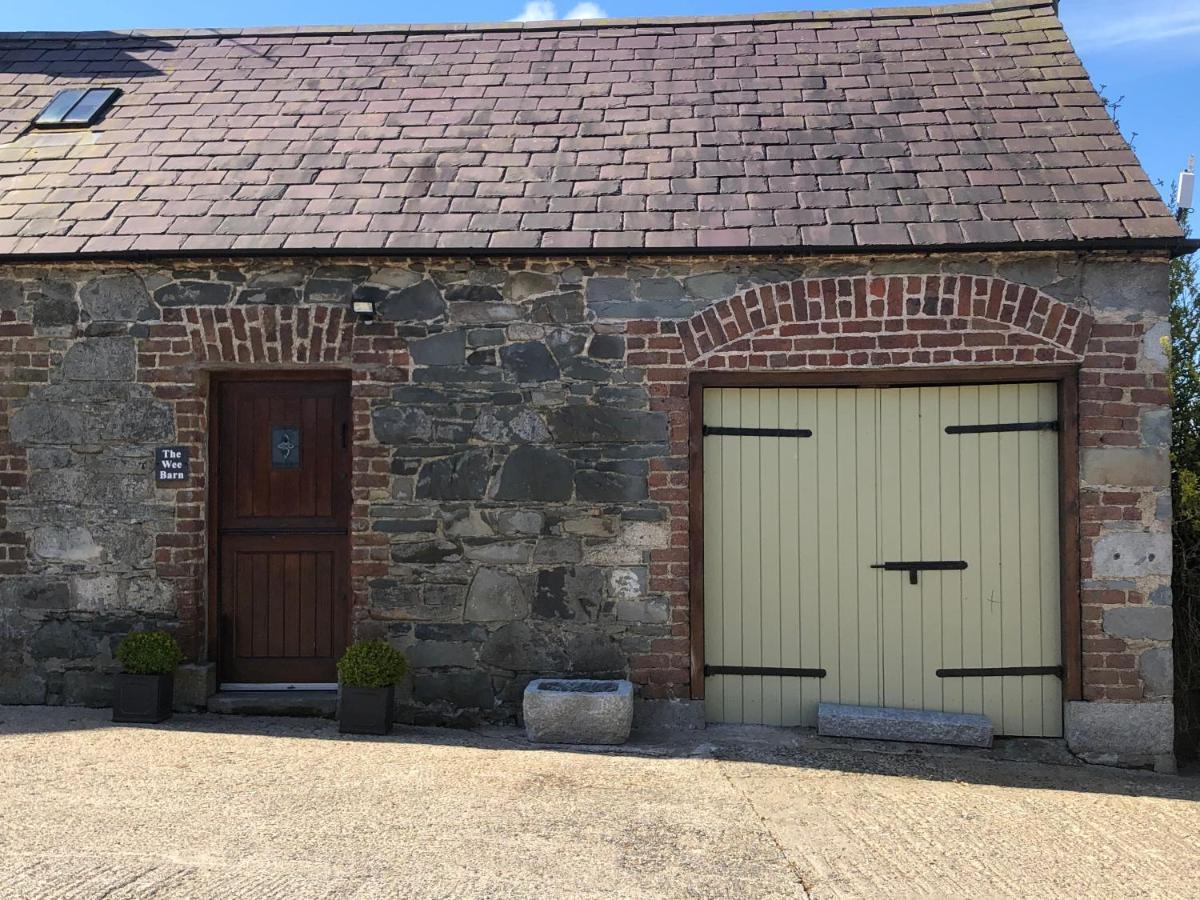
x=1185 y=487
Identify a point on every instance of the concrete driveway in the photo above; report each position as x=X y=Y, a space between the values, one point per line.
x=208 y=806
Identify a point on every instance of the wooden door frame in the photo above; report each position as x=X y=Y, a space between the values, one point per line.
x=212 y=485
x=1066 y=376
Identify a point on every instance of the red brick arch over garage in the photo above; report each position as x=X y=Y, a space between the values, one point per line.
x=857 y=322
x=885 y=321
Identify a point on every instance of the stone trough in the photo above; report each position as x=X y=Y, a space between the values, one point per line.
x=578 y=711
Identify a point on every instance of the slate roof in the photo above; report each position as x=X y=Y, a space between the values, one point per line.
x=915 y=127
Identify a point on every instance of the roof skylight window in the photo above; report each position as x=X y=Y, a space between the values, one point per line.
x=76 y=108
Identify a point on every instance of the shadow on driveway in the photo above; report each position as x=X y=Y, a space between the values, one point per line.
x=1026 y=763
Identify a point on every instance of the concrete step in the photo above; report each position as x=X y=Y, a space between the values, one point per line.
x=883 y=723
x=311 y=704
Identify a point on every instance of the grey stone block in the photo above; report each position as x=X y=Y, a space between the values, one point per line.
x=52 y=312
x=598 y=424
x=519 y=648
x=529 y=361
x=193 y=293
x=1156 y=427
x=1115 y=733
x=446 y=349
x=653 y=609
x=1135 y=467
x=496 y=596
x=1151 y=623
x=522 y=285
x=63 y=640
x=67 y=544
x=578 y=711
x=301 y=704
x=86 y=687
x=1141 y=287
x=194 y=684
x=535 y=473
x=1156 y=343
x=651 y=716
x=22 y=688
x=888 y=724
x=416 y=303
x=118 y=298
x=461 y=690
x=399 y=425
x=1132 y=554
x=713 y=286
x=1158 y=672
x=463 y=476
x=437 y=654
x=1161 y=596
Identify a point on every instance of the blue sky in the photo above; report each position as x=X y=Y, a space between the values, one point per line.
x=1148 y=51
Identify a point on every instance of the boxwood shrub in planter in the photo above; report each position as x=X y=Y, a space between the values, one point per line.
x=368 y=673
x=145 y=690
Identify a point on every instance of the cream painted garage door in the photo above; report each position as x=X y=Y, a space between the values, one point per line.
x=808 y=491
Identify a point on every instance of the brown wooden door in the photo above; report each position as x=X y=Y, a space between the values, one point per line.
x=283 y=529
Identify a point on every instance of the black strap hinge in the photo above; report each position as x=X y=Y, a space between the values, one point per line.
x=1001 y=427
x=1000 y=671
x=756 y=432
x=763 y=670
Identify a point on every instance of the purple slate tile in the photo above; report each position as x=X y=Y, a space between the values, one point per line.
x=724 y=132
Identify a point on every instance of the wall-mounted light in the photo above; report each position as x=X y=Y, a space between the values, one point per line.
x=364 y=308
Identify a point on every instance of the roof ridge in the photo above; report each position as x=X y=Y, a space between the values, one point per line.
x=885 y=12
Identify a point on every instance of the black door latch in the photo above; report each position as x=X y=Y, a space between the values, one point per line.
x=912 y=567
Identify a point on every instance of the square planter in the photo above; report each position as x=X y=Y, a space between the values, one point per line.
x=142 y=698
x=578 y=711
x=366 y=710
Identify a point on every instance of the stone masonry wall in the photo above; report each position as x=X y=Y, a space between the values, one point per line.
x=520 y=474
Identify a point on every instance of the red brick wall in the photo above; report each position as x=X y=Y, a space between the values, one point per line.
x=29 y=363
x=177 y=357
x=1113 y=394
x=833 y=323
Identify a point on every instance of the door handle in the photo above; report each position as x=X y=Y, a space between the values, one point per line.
x=914 y=567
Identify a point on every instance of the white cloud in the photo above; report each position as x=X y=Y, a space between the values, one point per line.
x=1102 y=27
x=536 y=11
x=586 y=11
x=543 y=10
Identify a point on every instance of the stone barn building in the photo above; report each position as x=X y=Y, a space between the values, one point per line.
x=760 y=360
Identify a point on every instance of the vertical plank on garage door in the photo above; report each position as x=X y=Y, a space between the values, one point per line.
x=807 y=542
x=866 y=484
x=932 y=546
x=714 y=558
x=794 y=509
x=956 y=500
x=973 y=537
x=751 y=554
x=912 y=489
x=891 y=477
x=1030 y=589
x=731 y=552
x=846 y=486
x=990 y=597
x=767 y=490
x=1009 y=540
x=1050 y=652
x=829 y=512
x=949 y=513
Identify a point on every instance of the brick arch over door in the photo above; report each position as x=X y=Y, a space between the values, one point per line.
x=822 y=323
x=885 y=321
x=175 y=358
